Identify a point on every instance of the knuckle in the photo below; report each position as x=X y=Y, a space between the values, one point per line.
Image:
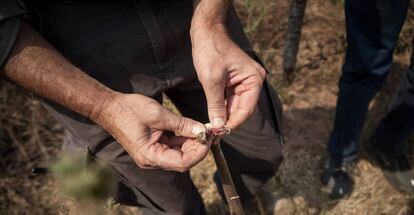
x=181 y=170
x=262 y=71
x=183 y=167
x=258 y=80
x=216 y=105
x=146 y=163
x=140 y=166
x=211 y=77
x=257 y=69
x=250 y=112
x=140 y=163
x=181 y=124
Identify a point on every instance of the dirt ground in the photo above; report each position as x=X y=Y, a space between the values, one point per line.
x=29 y=137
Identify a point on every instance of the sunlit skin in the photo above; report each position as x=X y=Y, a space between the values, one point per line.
x=230 y=78
x=139 y=123
x=142 y=122
x=151 y=134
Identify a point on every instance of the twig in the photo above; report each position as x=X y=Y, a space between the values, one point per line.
x=230 y=192
x=233 y=199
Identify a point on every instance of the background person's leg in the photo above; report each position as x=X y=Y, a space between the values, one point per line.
x=387 y=145
x=373 y=27
x=398 y=124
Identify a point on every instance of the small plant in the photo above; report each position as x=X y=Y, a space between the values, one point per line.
x=93 y=182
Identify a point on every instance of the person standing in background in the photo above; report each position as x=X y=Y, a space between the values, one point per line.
x=372 y=28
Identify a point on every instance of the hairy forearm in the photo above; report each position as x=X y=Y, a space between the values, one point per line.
x=35 y=65
x=209 y=14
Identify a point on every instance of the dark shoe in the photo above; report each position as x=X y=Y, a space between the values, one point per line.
x=335 y=177
x=396 y=168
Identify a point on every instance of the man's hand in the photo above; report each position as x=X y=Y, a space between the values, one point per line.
x=137 y=122
x=141 y=125
x=230 y=78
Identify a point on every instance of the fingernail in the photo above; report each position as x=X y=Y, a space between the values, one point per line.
x=197 y=129
x=218 y=122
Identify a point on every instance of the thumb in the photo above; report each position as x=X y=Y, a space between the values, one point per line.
x=182 y=126
x=217 y=111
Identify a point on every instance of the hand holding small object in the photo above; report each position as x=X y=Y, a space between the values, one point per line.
x=211 y=134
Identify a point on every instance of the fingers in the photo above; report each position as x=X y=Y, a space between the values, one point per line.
x=244 y=91
x=179 y=125
x=241 y=107
x=140 y=153
x=214 y=90
x=183 y=160
x=182 y=157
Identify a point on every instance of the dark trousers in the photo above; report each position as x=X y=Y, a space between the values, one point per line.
x=372 y=29
x=144 y=47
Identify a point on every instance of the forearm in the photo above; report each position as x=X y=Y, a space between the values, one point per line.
x=35 y=65
x=209 y=14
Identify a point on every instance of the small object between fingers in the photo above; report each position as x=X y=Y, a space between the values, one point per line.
x=211 y=133
x=202 y=137
x=220 y=131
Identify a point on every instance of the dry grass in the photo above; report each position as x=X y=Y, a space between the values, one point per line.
x=29 y=137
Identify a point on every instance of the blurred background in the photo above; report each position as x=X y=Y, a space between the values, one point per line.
x=30 y=137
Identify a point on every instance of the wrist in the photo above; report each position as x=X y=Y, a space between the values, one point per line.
x=104 y=108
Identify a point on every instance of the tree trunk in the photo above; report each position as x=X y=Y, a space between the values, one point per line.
x=295 y=21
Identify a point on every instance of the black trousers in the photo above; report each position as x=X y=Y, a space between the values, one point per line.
x=373 y=27
x=144 y=47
